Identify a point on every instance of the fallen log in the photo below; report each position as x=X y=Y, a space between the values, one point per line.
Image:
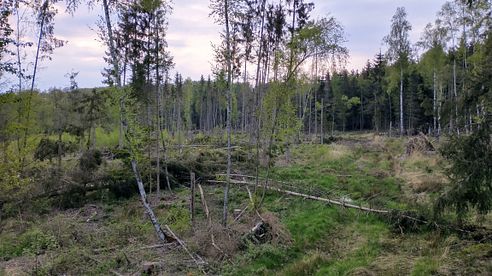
x=143 y=197
x=331 y=201
x=386 y=213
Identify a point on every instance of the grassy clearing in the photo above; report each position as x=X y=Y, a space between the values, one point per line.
x=319 y=239
x=333 y=241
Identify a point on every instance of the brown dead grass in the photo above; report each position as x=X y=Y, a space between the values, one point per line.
x=422 y=175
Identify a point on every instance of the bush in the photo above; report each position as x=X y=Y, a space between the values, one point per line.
x=90 y=160
x=48 y=149
x=32 y=242
x=470 y=174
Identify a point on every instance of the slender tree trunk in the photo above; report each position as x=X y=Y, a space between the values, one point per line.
x=59 y=150
x=316 y=96
x=164 y=151
x=455 y=94
x=333 y=120
x=158 y=147
x=43 y=11
x=361 y=123
x=158 y=111
x=162 y=236
x=376 y=114
x=270 y=145
x=439 y=112
x=229 y=118
x=390 y=119
x=322 y=121
x=434 y=102
x=19 y=63
x=310 y=115
x=243 y=107
x=257 y=117
x=44 y=8
x=192 y=199
x=401 y=102
x=143 y=197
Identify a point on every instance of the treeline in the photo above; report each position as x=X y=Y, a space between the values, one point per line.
x=426 y=86
x=278 y=75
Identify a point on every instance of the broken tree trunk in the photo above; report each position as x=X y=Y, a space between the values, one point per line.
x=209 y=219
x=204 y=202
x=143 y=196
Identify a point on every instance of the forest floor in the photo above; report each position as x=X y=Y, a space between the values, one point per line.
x=303 y=237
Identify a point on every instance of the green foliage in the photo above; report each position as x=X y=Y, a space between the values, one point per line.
x=33 y=242
x=470 y=173
x=107 y=139
x=121 y=183
x=12 y=184
x=90 y=160
x=279 y=115
x=48 y=149
x=178 y=218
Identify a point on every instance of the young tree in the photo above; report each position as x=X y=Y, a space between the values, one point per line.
x=222 y=11
x=432 y=64
x=114 y=60
x=399 y=49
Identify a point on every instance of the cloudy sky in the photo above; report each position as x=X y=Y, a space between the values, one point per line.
x=191 y=33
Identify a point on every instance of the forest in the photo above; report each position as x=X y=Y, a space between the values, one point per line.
x=280 y=162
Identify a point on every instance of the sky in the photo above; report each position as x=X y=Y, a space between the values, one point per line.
x=191 y=34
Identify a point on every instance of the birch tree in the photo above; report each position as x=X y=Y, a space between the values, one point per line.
x=399 y=50
x=221 y=9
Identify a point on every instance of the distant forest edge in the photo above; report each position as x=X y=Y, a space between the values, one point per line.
x=278 y=75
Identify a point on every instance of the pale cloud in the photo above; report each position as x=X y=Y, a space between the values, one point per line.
x=191 y=33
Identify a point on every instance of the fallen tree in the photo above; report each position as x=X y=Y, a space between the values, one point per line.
x=331 y=201
x=401 y=220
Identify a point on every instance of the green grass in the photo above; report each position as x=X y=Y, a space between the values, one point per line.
x=319 y=229
x=324 y=239
x=309 y=222
x=334 y=171
x=329 y=240
x=367 y=234
x=425 y=266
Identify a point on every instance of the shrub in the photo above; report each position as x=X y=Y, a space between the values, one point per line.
x=32 y=242
x=470 y=174
x=90 y=160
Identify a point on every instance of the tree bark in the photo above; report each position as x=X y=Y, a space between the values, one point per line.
x=434 y=101
x=158 y=111
x=229 y=119
x=192 y=199
x=322 y=121
x=160 y=233
x=402 y=127
x=143 y=197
